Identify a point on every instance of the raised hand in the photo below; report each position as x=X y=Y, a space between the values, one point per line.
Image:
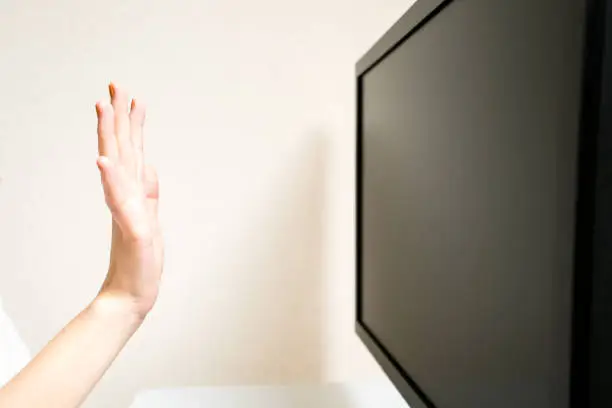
x=131 y=191
x=64 y=372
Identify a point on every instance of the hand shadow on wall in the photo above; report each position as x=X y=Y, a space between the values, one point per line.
x=281 y=283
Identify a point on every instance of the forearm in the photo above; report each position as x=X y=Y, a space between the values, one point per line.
x=66 y=370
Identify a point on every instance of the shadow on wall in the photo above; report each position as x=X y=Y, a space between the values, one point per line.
x=264 y=324
x=280 y=321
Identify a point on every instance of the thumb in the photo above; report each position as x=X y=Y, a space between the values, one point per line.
x=110 y=175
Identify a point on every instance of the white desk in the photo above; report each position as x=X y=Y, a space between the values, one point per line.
x=324 y=396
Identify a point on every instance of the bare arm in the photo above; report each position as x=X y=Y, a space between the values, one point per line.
x=66 y=370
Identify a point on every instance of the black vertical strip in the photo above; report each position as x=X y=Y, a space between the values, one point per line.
x=585 y=206
x=358 y=198
x=600 y=380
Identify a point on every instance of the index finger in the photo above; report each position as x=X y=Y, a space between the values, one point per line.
x=107 y=143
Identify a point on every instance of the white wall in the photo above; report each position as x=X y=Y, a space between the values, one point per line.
x=251 y=125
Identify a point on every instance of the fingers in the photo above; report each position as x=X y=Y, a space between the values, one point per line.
x=107 y=143
x=137 y=119
x=120 y=103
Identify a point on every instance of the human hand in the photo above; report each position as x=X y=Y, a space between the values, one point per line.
x=131 y=191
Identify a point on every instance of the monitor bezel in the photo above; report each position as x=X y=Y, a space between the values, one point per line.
x=417 y=16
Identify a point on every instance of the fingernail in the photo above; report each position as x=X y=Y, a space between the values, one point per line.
x=111 y=89
x=98 y=109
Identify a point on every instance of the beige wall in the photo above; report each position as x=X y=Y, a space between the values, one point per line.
x=251 y=125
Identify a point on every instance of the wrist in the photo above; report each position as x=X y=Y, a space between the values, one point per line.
x=118 y=307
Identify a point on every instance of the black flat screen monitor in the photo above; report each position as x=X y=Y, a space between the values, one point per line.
x=482 y=187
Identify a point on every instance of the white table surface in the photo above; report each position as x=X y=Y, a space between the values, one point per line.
x=380 y=395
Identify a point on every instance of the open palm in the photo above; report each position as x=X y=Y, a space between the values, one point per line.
x=131 y=191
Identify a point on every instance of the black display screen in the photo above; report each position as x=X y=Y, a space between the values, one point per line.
x=469 y=136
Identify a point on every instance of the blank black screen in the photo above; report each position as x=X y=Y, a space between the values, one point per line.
x=469 y=133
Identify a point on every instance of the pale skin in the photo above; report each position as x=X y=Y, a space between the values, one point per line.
x=66 y=370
